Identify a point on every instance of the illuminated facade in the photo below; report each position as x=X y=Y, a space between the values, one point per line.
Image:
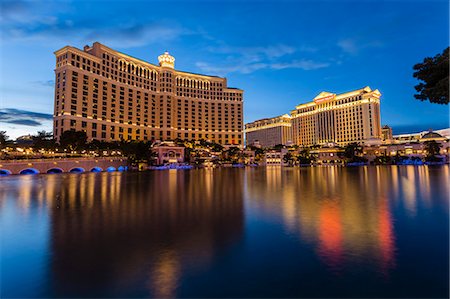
x=340 y=118
x=269 y=131
x=386 y=133
x=113 y=96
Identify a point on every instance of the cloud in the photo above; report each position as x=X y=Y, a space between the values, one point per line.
x=354 y=46
x=47 y=83
x=300 y=64
x=54 y=22
x=23 y=117
x=247 y=60
x=25 y=122
x=83 y=31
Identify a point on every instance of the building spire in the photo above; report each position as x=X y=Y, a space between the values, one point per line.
x=166 y=60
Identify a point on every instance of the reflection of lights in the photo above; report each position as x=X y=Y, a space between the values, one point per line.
x=330 y=233
x=386 y=236
x=409 y=189
x=165 y=275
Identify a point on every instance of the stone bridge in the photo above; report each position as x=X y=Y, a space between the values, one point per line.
x=74 y=165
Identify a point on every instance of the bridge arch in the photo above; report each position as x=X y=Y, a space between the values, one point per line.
x=121 y=168
x=29 y=171
x=5 y=172
x=54 y=170
x=77 y=170
x=110 y=169
x=96 y=169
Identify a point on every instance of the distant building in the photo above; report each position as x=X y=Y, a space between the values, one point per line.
x=341 y=118
x=113 y=96
x=438 y=135
x=386 y=133
x=268 y=132
x=24 y=140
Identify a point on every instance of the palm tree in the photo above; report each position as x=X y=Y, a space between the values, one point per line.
x=432 y=148
x=289 y=159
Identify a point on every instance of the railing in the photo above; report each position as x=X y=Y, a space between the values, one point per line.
x=63 y=159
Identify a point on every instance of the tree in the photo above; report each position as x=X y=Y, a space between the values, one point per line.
x=3 y=139
x=43 y=139
x=289 y=159
x=73 y=140
x=435 y=75
x=304 y=157
x=432 y=148
x=353 y=151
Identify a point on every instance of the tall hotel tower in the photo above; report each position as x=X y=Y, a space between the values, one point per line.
x=113 y=96
x=343 y=118
x=340 y=118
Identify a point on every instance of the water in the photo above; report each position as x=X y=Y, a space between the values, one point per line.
x=309 y=232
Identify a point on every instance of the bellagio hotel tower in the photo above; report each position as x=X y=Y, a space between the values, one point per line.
x=112 y=96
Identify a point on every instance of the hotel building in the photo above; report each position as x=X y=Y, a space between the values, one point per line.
x=269 y=131
x=338 y=118
x=113 y=96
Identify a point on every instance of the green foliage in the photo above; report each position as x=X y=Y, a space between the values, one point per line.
x=353 y=151
x=434 y=74
x=138 y=151
x=73 y=140
x=3 y=139
x=432 y=148
x=382 y=160
x=277 y=147
x=305 y=157
x=289 y=159
x=44 y=140
x=232 y=154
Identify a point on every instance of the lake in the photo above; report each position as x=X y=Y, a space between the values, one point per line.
x=378 y=231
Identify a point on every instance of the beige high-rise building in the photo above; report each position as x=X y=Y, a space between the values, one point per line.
x=338 y=118
x=269 y=131
x=113 y=96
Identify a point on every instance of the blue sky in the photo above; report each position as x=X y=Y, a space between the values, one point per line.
x=281 y=53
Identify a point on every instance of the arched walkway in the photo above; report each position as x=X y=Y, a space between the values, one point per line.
x=96 y=169
x=110 y=169
x=54 y=170
x=29 y=171
x=77 y=170
x=4 y=172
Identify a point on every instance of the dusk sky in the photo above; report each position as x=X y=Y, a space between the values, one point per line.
x=280 y=53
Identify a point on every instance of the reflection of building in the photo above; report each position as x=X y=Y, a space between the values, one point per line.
x=269 y=131
x=323 y=207
x=155 y=226
x=169 y=153
x=113 y=96
x=341 y=118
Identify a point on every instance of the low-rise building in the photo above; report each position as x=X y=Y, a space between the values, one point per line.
x=328 y=155
x=168 y=152
x=274 y=158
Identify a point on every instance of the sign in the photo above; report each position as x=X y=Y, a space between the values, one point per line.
x=325 y=99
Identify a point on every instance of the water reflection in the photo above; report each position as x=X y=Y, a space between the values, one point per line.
x=345 y=213
x=197 y=233
x=107 y=229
